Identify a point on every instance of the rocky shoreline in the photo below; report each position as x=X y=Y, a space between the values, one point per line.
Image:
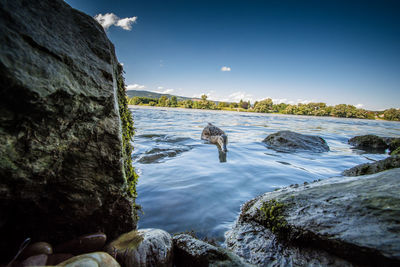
x=66 y=170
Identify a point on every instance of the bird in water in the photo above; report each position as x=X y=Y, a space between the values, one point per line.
x=215 y=135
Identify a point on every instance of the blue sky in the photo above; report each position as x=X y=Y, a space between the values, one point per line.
x=291 y=51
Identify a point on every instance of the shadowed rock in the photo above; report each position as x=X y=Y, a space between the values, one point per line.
x=334 y=222
x=369 y=143
x=61 y=152
x=190 y=251
x=287 y=141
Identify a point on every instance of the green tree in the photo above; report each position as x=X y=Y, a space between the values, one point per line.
x=392 y=114
x=173 y=101
x=162 y=102
x=264 y=106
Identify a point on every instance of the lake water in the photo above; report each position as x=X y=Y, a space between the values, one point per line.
x=185 y=184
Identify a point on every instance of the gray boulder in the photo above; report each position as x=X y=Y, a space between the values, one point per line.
x=374 y=167
x=287 y=141
x=144 y=247
x=334 y=222
x=189 y=251
x=62 y=153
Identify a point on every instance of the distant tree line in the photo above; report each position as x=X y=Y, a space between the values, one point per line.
x=267 y=106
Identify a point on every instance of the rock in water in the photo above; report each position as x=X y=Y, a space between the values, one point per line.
x=374 y=167
x=189 y=251
x=61 y=150
x=144 y=247
x=369 y=143
x=334 y=222
x=287 y=141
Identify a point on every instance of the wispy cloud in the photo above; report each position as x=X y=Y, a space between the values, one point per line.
x=359 y=105
x=135 y=86
x=109 y=19
x=225 y=68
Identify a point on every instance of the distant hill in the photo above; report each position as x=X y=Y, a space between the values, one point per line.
x=141 y=93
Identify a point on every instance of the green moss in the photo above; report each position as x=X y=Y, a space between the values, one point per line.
x=130 y=240
x=272 y=216
x=128 y=132
x=395 y=152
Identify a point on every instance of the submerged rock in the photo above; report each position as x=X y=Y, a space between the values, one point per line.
x=374 y=167
x=334 y=222
x=97 y=259
x=144 y=247
x=287 y=141
x=189 y=251
x=157 y=154
x=61 y=149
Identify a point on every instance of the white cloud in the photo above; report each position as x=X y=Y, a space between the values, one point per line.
x=359 y=105
x=280 y=100
x=109 y=19
x=135 y=86
x=225 y=68
x=166 y=91
x=303 y=101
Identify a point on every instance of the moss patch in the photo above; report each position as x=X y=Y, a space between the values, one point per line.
x=127 y=134
x=272 y=217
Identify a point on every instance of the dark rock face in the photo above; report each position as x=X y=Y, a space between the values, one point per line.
x=287 y=141
x=334 y=222
x=61 y=161
x=369 y=143
x=190 y=251
x=370 y=168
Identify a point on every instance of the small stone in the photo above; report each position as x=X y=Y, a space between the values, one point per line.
x=57 y=258
x=37 y=260
x=144 y=247
x=97 y=259
x=83 y=244
x=36 y=249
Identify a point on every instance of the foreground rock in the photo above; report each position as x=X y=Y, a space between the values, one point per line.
x=376 y=144
x=144 y=247
x=370 y=168
x=190 y=251
x=61 y=149
x=97 y=259
x=287 y=141
x=334 y=222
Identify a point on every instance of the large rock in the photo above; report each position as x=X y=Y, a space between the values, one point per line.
x=374 y=167
x=287 y=141
x=189 y=251
x=335 y=222
x=61 y=149
x=144 y=247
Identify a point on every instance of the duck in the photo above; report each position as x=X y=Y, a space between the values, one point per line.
x=215 y=135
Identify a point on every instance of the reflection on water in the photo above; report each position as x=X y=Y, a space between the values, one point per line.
x=183 y=185
x=222 y=155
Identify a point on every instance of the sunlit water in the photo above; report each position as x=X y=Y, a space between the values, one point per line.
x=184 y=186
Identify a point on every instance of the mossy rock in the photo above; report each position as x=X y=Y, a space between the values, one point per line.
x=272 y=216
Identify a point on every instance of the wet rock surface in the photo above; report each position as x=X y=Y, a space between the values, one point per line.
x=287 y=141
x=144 y=247
x=60 y=135
x=374 y=167
x=189 y=251
x=339 y=221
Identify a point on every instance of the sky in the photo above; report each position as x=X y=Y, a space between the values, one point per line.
x=292 y=51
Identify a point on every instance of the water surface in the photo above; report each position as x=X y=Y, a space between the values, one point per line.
x=186 y=184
